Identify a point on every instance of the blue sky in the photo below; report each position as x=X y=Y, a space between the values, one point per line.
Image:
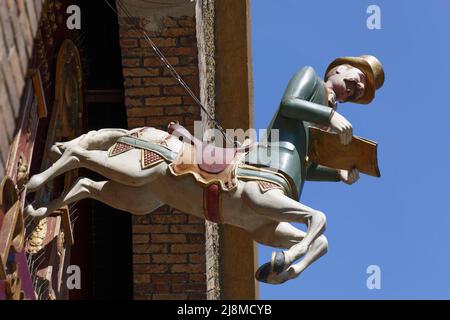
x=400 y=221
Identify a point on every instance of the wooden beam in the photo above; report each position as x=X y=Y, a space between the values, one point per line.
x=234 y=109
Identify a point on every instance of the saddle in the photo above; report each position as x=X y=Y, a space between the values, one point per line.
x=210 y=158
x=208 y=163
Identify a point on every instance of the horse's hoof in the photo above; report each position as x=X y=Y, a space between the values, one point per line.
x=277 y=262
x=35 y=213
x=34 y=183
x=263 y=272
x=55 y=152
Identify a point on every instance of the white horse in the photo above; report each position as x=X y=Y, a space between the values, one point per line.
x=267 y=216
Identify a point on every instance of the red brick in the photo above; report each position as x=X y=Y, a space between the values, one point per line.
x=200 y=229
x=176 y=32
x=179 y=110
x=128 y=43
x=186 y=22
x=172 y=278
x=160 y=288
x=187 y=60
x=144 y=112
x=141 y=278
x=159 y=42
x=140 y=72
x=200 y=277
x=196 y=220
x=137 y=52
x=152 y=248
x=150 y=228
x=141 y=238
x=156 y=62
x=163 y=101
x=197 y=296
x=187 y=248
x=134 y=102
x=159 y=122
x=131 y=33
x=168 y=238
x=188 y=268
x=141 y=258
x=132 y=82
x=190 y=119
x=166 y=219
x=150 y=288
x=188 y=287
x=159 y=81
x=143 y=91
x=131 y=62
x=196 y=238
x=192 y=82
x=197 y=258
x=170 y=296
x=136 y=122
x=174 y=91
x=176 y=52
x=170 y=22
x=188 y=100
x=188 y=41
x=138 y=220
x=150 y=268
x=169 y=258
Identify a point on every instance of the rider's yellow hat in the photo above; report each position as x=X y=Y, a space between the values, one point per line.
x=372 y=69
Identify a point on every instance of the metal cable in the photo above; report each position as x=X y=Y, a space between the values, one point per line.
x=171 y=69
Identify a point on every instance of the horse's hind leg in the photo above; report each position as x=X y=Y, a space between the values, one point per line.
x=125 y=167
x=136 y=200
x=93 y=140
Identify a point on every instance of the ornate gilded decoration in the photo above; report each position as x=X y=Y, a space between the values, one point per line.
x=37 y=237
x=39 y=92
x=12 y=229
x=22 y=173
x=60 y=241
x=49 y=239
x=68 y=91
x=13 y=284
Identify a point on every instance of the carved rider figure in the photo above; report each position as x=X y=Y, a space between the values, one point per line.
x=310 y=101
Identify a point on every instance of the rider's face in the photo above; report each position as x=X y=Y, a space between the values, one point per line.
x=348 y=83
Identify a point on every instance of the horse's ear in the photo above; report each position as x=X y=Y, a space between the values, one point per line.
x=171 y=127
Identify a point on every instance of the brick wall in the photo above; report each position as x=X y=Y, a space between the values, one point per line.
x=169 y=246
x=18 y=25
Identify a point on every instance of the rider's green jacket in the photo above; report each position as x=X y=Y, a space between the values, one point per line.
x=304 y=103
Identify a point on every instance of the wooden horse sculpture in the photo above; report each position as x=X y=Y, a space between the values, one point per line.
x=147 y=168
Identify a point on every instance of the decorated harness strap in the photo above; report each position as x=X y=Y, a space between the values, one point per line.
x=151 y=153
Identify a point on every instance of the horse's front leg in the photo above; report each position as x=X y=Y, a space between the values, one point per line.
x=284 y=235
x=275 y=205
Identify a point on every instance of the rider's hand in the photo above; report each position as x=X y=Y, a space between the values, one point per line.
x=341 y=125
x=349 y=176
